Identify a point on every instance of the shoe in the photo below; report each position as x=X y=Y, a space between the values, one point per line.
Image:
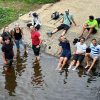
x=87 y=66
x=69 y=67
x=74 y=69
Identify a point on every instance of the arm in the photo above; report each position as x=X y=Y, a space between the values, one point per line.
x=4 y=59
x=73 y=21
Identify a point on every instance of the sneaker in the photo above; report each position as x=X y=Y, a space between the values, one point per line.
x=74 y=69
x=69 y=67
x=49 y=34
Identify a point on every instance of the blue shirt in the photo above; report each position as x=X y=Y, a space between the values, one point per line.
x=66 y=20
x=65 y=46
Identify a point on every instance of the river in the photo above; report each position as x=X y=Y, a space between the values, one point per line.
x=29 y=80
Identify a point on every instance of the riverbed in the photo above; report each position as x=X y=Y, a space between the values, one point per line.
x=32 y=80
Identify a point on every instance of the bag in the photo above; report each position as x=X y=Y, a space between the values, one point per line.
x=55 y=15
x=98 y=20
x=76 y=40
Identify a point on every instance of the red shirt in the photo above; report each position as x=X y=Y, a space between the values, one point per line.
x=35 y=38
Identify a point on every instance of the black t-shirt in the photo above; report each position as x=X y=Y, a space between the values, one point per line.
x=17 y=36
x=8 y=50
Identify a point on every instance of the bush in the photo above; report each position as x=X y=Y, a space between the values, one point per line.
x=6 y=16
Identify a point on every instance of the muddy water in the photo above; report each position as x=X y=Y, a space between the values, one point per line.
x=30 y=80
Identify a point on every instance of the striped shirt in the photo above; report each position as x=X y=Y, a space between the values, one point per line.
x=95 y=50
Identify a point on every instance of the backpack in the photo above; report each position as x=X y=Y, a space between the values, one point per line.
x=98 y=20
x=55 y=15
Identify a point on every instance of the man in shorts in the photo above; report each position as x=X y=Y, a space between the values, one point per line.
x=79 y=54
x=91 y=25
x=94 y=54
x=67 y=22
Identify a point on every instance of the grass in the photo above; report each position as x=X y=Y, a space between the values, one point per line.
x=10 y=9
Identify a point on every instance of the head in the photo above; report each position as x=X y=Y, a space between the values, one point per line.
x=94 y=42
x=7 y=40
x=91 y=18
x=32 y=28
x=16 y=25
x=82 y=40
x=67 y=12
x=62 y=38
x=6 y=29
x=35 y=15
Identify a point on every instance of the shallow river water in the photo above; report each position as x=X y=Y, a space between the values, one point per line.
x=29 y=80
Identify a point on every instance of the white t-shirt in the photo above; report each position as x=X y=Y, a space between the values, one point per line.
x=80 y=47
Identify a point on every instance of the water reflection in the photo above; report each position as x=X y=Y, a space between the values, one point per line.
x=37 y=79
x=20 y=60
x=10 y=80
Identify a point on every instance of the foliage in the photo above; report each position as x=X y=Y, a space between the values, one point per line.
x=10 y=9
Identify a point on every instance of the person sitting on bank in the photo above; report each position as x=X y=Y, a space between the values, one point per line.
x=66 y=23
x=64 y=51
x=91 y=25
x=35 y=21
x=7 y=51
x=94 y=54
x=79 y=54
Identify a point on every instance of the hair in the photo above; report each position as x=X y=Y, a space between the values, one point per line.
x=60 y=38
x=94 y=39
x=91 y=17
x=82 y=38
x=35 y=15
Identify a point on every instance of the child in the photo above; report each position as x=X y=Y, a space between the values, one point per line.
x=7 y=51
x=65 y=52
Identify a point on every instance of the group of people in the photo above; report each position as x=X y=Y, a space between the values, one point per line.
x=8 y=38
x=16 y=36
x=82 y=50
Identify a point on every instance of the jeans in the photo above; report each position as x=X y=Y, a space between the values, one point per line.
x=18 y=42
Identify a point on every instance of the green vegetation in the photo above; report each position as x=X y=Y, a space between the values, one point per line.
x=11 y=9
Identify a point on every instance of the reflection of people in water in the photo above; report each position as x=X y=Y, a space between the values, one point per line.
x=10 y=81
x=37 y=75
x=19 y=62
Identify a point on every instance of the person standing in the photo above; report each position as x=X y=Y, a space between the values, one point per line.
x=6 y=33
x=79 y=54
x=94 y=54
x=64 y=51
x=19 y=37
x=36 y=41
x=7 y=51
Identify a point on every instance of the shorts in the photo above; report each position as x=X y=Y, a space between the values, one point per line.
x=94 y=30
x=63 y=26
x=94 y=56
x=36 y=50
x=66 y=54
x=78 y=57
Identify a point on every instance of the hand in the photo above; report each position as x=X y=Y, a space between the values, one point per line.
x=74 y=53
x=5 y=62
x=37 y=46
